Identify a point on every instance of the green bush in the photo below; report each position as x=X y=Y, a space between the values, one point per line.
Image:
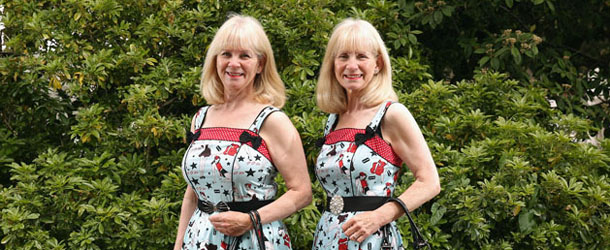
x=95 y=97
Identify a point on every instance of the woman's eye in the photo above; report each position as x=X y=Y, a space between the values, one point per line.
x=362 y=56
x=225 y=54
x=245 y=56
x=343 y=56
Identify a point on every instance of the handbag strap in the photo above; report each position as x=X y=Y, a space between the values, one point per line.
x=255 y=218
x=418 y=239
x=258 y=228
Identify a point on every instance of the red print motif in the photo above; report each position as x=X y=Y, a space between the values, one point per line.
x=362 y=178
x=341 y=166
x=286 y=240
x=218 y=166
x=231 y=150
x=343 y=244
x=378 y=167
x=352 y=148
x=387 y=189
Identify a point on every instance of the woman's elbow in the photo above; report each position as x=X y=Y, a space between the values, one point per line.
x=305 y=198
x=435 y=187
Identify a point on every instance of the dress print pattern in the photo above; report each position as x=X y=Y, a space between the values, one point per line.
x=220 y=167
x=355 y=162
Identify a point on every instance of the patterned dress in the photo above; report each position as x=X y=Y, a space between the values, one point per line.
x=221 y=167
x=355 y=162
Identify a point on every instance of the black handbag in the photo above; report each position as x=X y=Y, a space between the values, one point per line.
x=258 y=231
x=418 y=240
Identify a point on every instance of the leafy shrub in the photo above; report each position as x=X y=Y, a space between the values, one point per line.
x=95 y=97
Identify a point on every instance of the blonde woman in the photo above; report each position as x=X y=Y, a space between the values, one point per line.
x=366 y=139
x=239 y=144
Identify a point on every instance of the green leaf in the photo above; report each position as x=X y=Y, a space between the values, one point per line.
x=483 y=61
x=447 y=10
x=516 y=55
x=509 y=3
x=6 y=239
x=412 y=39
x=526 y=221
x=495 y=63
x=438 y=17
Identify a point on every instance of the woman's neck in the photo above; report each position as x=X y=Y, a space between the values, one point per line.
x=354 y=103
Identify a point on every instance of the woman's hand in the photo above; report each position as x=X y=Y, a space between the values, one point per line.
x=362 y=225
x=231 y=223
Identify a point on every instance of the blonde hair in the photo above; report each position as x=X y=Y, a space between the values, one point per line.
x=354 y=35
x=243 y=32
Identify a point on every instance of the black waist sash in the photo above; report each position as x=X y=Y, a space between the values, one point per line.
x=239 y=206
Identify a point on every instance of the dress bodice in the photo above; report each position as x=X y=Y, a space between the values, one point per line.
x=357 y=162
x=230 y=164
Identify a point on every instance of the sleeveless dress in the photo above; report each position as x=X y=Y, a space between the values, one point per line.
x=355 y=162
x=220 y=166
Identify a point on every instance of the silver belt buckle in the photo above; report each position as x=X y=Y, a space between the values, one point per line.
x=336 y=205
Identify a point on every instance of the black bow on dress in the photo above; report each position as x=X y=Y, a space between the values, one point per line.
x=360 y=138
x=320 y=142
x=254 y=139
x=190 y=137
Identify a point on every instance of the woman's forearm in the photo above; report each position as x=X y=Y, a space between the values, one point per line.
x=290 y=202
x=416 y=195
x=188 y=207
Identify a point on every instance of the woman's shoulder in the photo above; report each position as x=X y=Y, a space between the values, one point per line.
x=276 y=119
x=396 y=110
x=397 y=114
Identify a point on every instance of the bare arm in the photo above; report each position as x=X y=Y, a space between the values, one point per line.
x=286 y=150
x=401 y=131
x=189 y=203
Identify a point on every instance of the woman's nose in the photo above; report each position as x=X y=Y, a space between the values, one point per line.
x=233 y=61
x=351 y=64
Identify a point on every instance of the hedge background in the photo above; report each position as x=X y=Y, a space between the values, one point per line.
x=95 y=97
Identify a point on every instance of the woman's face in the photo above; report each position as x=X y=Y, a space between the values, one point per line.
x=237 y=68
x=355 y=69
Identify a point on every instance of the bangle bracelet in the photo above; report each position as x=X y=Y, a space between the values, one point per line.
x=258 y=228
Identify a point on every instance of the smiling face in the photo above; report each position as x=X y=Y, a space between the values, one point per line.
x=355 y=69
x=237 y=68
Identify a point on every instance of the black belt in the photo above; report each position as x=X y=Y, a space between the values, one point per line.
x=338 y=204
x=239 y=206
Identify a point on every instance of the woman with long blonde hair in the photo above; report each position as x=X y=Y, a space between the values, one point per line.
x=237 y=147
x=367 y=137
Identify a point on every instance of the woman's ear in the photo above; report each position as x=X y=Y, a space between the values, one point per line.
x=379 y=64
x=261 y=65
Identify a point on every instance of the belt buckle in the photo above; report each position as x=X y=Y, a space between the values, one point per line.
x=221 y=206
x=336 y=204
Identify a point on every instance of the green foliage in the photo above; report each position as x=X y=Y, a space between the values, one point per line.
x=95 y=97
x=556 y=44
x=513 y=171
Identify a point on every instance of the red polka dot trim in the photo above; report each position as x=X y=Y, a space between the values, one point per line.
x=232 y=134
x=377 y=144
